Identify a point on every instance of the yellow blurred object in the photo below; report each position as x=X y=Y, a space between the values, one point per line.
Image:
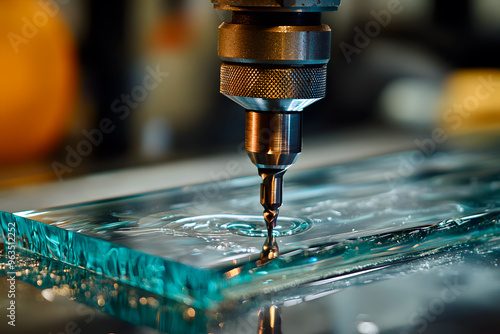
x=471 y=103
x=38 y=79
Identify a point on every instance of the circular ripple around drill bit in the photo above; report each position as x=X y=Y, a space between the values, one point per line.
x=284 y=227
x=244 y=225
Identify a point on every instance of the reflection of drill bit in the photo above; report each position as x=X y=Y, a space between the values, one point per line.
x=269 y=320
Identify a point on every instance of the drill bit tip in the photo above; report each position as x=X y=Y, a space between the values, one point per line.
x=270 y=251
x=271 y=189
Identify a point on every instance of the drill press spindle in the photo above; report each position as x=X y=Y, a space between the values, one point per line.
x=274 y=55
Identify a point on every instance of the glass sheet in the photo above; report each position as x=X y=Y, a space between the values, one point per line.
x=200 y=245
x=448 y=292
x=435 y=293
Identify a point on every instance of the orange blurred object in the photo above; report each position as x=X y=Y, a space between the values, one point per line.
x=471 y=102
x=175 y=32
x=38 y=79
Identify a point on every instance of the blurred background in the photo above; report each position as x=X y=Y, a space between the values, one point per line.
x=91 y=86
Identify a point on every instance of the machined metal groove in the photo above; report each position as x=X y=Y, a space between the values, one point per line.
x=284 y=5
x=276 y=18
x=273 y=83
x=275 y=44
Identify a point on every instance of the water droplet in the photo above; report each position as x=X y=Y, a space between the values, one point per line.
x=367 y=327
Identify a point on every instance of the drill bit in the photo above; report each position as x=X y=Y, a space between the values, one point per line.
x=271 y=190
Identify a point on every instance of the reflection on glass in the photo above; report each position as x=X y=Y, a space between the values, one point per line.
x=269 y=320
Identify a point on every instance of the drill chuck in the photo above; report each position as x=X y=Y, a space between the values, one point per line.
x=274 y=55
x=273 y=88
x=274 y=61
x=274 y=65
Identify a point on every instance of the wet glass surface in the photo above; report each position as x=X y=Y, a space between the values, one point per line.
x=448 y=292
x=200 y=245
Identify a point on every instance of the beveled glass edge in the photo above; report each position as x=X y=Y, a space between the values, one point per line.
x=163 y=277
x=118 y=299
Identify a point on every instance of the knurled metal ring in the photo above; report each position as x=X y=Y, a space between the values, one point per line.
x=273 y=83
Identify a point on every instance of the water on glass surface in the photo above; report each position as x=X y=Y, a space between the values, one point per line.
x=204 y=250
